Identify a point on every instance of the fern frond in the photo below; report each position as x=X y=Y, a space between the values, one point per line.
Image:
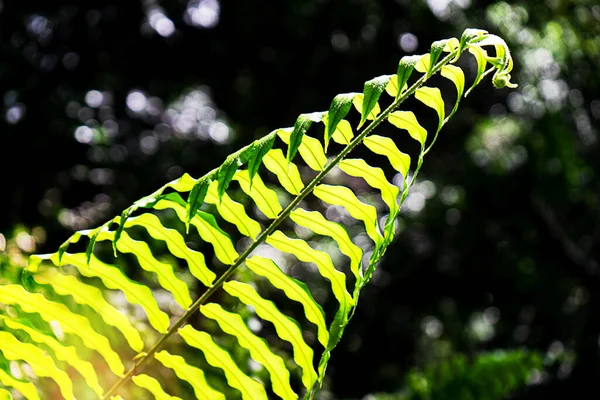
x=41 y=364
x=27 y=389
x=253 y=217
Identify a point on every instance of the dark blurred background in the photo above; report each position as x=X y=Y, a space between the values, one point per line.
x=103 y=102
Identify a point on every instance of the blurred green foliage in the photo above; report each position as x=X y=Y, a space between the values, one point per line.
x=486 y=376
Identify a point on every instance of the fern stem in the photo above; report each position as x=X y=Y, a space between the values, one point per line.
x=145 y=358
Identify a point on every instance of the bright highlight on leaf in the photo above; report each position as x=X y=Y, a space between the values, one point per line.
x=192 y=375
x=386 y=147
x=287 y=173
x=69 y=322
x=42 y=365
x=91 y=296
x=457 y=77
x=407 y=120
x=153 y=386
x=218 y=357
x=286 y=328
x=310 y=150
x=259 y=350
x=432 y=97
x=27 y=389
x=294 y=290
x=67 y=354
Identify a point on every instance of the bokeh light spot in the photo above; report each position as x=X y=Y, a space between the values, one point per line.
x=408 y=42
x=136 y=101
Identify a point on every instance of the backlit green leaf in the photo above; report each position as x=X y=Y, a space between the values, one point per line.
x=470 y=35
x=217 y=357
x=192 y=375
x=405 y=69
x=287 y=173
x=387 y=147
x=286 y=328
x=196 y=198
x=316 y=222
x=185 y=183
x=407 y=120
x=434 y=54
x=322 y=260
x=481 y=57
x=176 y=244
x=63 y=353
x=294 y=290
x=457 y=76
x=153 y=386
x=375 y=177
x=342 y=196
x=113 y=278
x=209 y=231
x=340 y=106
x=67 y=285
x=372 y=91
x=451 y=45
x=40 y=363
x=227 y=170
x=70 y=322
x=233 y=212
x=310 y=149
x=164 y=272
x=265 y=199
x=258 y=150
x=358 y=104
x=302 y=124
x=343 y=134
x=259 y=350
x=27 y=389
x=423 y=63
x=432 y=97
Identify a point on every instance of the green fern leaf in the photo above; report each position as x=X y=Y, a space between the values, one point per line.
x=265 y=198
x=302 y=124
x=233 y=324
x=112 y=278
x=63 y=353
x=457 y=77
x=276 y=213
x=153 y=386
x=5 y=395
x=372 y=91
x=41 y=364
x=218 y=357
x=287 y=173
x=70 y=322
x=386 y=147
x=192 y=375
x=340 y=106
x=407 y=120
x=286 y=328
x=91 y=296
x=405 y=70
x=310 y=149
x=27 y=389
x=294 y=290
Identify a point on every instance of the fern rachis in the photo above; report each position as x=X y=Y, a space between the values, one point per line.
x=211 y=196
